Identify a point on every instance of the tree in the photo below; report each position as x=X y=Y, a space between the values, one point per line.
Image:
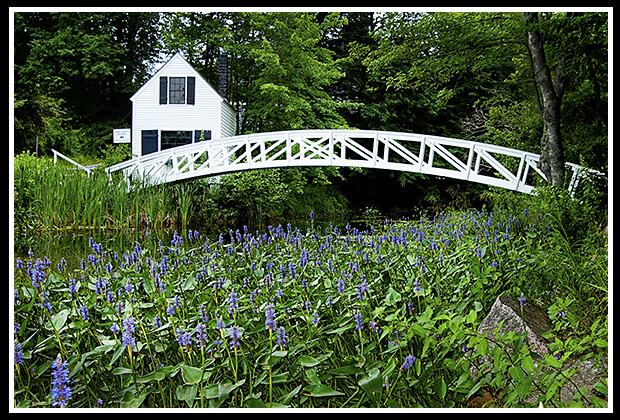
x=468 y=60
x=88 y=64
x=568 y=42
x=552 y=152
x=293 y=72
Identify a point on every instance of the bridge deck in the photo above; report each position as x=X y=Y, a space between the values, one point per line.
x=441 y=156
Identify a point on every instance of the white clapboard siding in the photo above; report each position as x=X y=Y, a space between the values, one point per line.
x=210 y=111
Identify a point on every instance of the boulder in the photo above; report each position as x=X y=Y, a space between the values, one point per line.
x=584 y=374
x=508 y=309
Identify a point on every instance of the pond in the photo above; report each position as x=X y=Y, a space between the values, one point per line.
x=73 y=245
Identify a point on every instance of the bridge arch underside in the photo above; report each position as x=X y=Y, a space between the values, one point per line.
x=440 y=156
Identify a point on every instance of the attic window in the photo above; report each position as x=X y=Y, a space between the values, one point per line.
x=173 y=90
x=177 y=90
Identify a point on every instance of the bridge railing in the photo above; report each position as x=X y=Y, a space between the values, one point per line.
x=440 y=156
x=60 y=155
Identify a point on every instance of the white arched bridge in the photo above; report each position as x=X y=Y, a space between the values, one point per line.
x=440 y=156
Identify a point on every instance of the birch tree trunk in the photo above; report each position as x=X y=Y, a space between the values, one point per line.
x=552 y=153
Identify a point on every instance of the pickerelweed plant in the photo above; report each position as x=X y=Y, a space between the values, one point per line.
x=324 y=317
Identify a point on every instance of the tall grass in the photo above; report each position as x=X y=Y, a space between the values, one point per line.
x=50 y=197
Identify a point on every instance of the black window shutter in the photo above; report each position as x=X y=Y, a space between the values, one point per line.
x=150 y=140
x=191 y=90
x=163 y=90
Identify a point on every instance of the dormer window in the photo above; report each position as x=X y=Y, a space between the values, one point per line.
x=177 y=90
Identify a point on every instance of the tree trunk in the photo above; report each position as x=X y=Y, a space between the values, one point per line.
x=552 y=153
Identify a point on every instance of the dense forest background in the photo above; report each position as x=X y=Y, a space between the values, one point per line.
x=530 y=81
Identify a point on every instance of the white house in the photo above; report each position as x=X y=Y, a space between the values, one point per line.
x=178 y=106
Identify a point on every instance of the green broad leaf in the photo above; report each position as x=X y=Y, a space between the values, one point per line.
x=117 y=353
x=471 y=317
x=49 y=343
x=149 y=286
x=392 y=297
x=418 y=366
x=341 y=329
x=223 y=390
x=552 y=361
x=599 y=342
x=100 y=350
x=601 y=387
x=528 y=364
x=319 y=390
x=524 y=386
x=372 y=384
x=58 y=320
x=347 y=370
x=39 y=370
x=191 y=375
x=308 y=361
x=266 y=359
x=285 y=399
x=186 y=393
x=516 y=373
x=189 y=283
x=253 y=402
x=474 y=389
x=210 y=391
x=157 y=376
x=441 y=388
x=121 y=371
x=278 y=405
x=313 y=377
x=279 y=353
x=280 y=378
x=78 y=325
x=131 y=401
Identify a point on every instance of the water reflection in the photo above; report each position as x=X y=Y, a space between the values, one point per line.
x=73 y=245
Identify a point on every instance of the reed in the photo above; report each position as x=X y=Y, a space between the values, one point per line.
x=52 y=197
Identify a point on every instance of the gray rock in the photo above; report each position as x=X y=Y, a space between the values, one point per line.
x=535 y=321
x=508 y=309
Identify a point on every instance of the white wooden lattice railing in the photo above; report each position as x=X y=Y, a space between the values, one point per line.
x=441 y=156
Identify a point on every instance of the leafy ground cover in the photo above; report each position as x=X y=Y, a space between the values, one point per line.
x=316 y=317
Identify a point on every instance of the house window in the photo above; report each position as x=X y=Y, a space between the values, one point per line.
x=177 y=90
x=202 y=135
x=173 y=90
x=171 y=139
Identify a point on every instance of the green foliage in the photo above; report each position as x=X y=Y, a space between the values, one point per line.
x=50 y=197
x=292 y=73
x=77 y=70
x=258 y=198
x=380 y=318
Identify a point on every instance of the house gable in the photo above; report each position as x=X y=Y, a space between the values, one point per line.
x=177 y=106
